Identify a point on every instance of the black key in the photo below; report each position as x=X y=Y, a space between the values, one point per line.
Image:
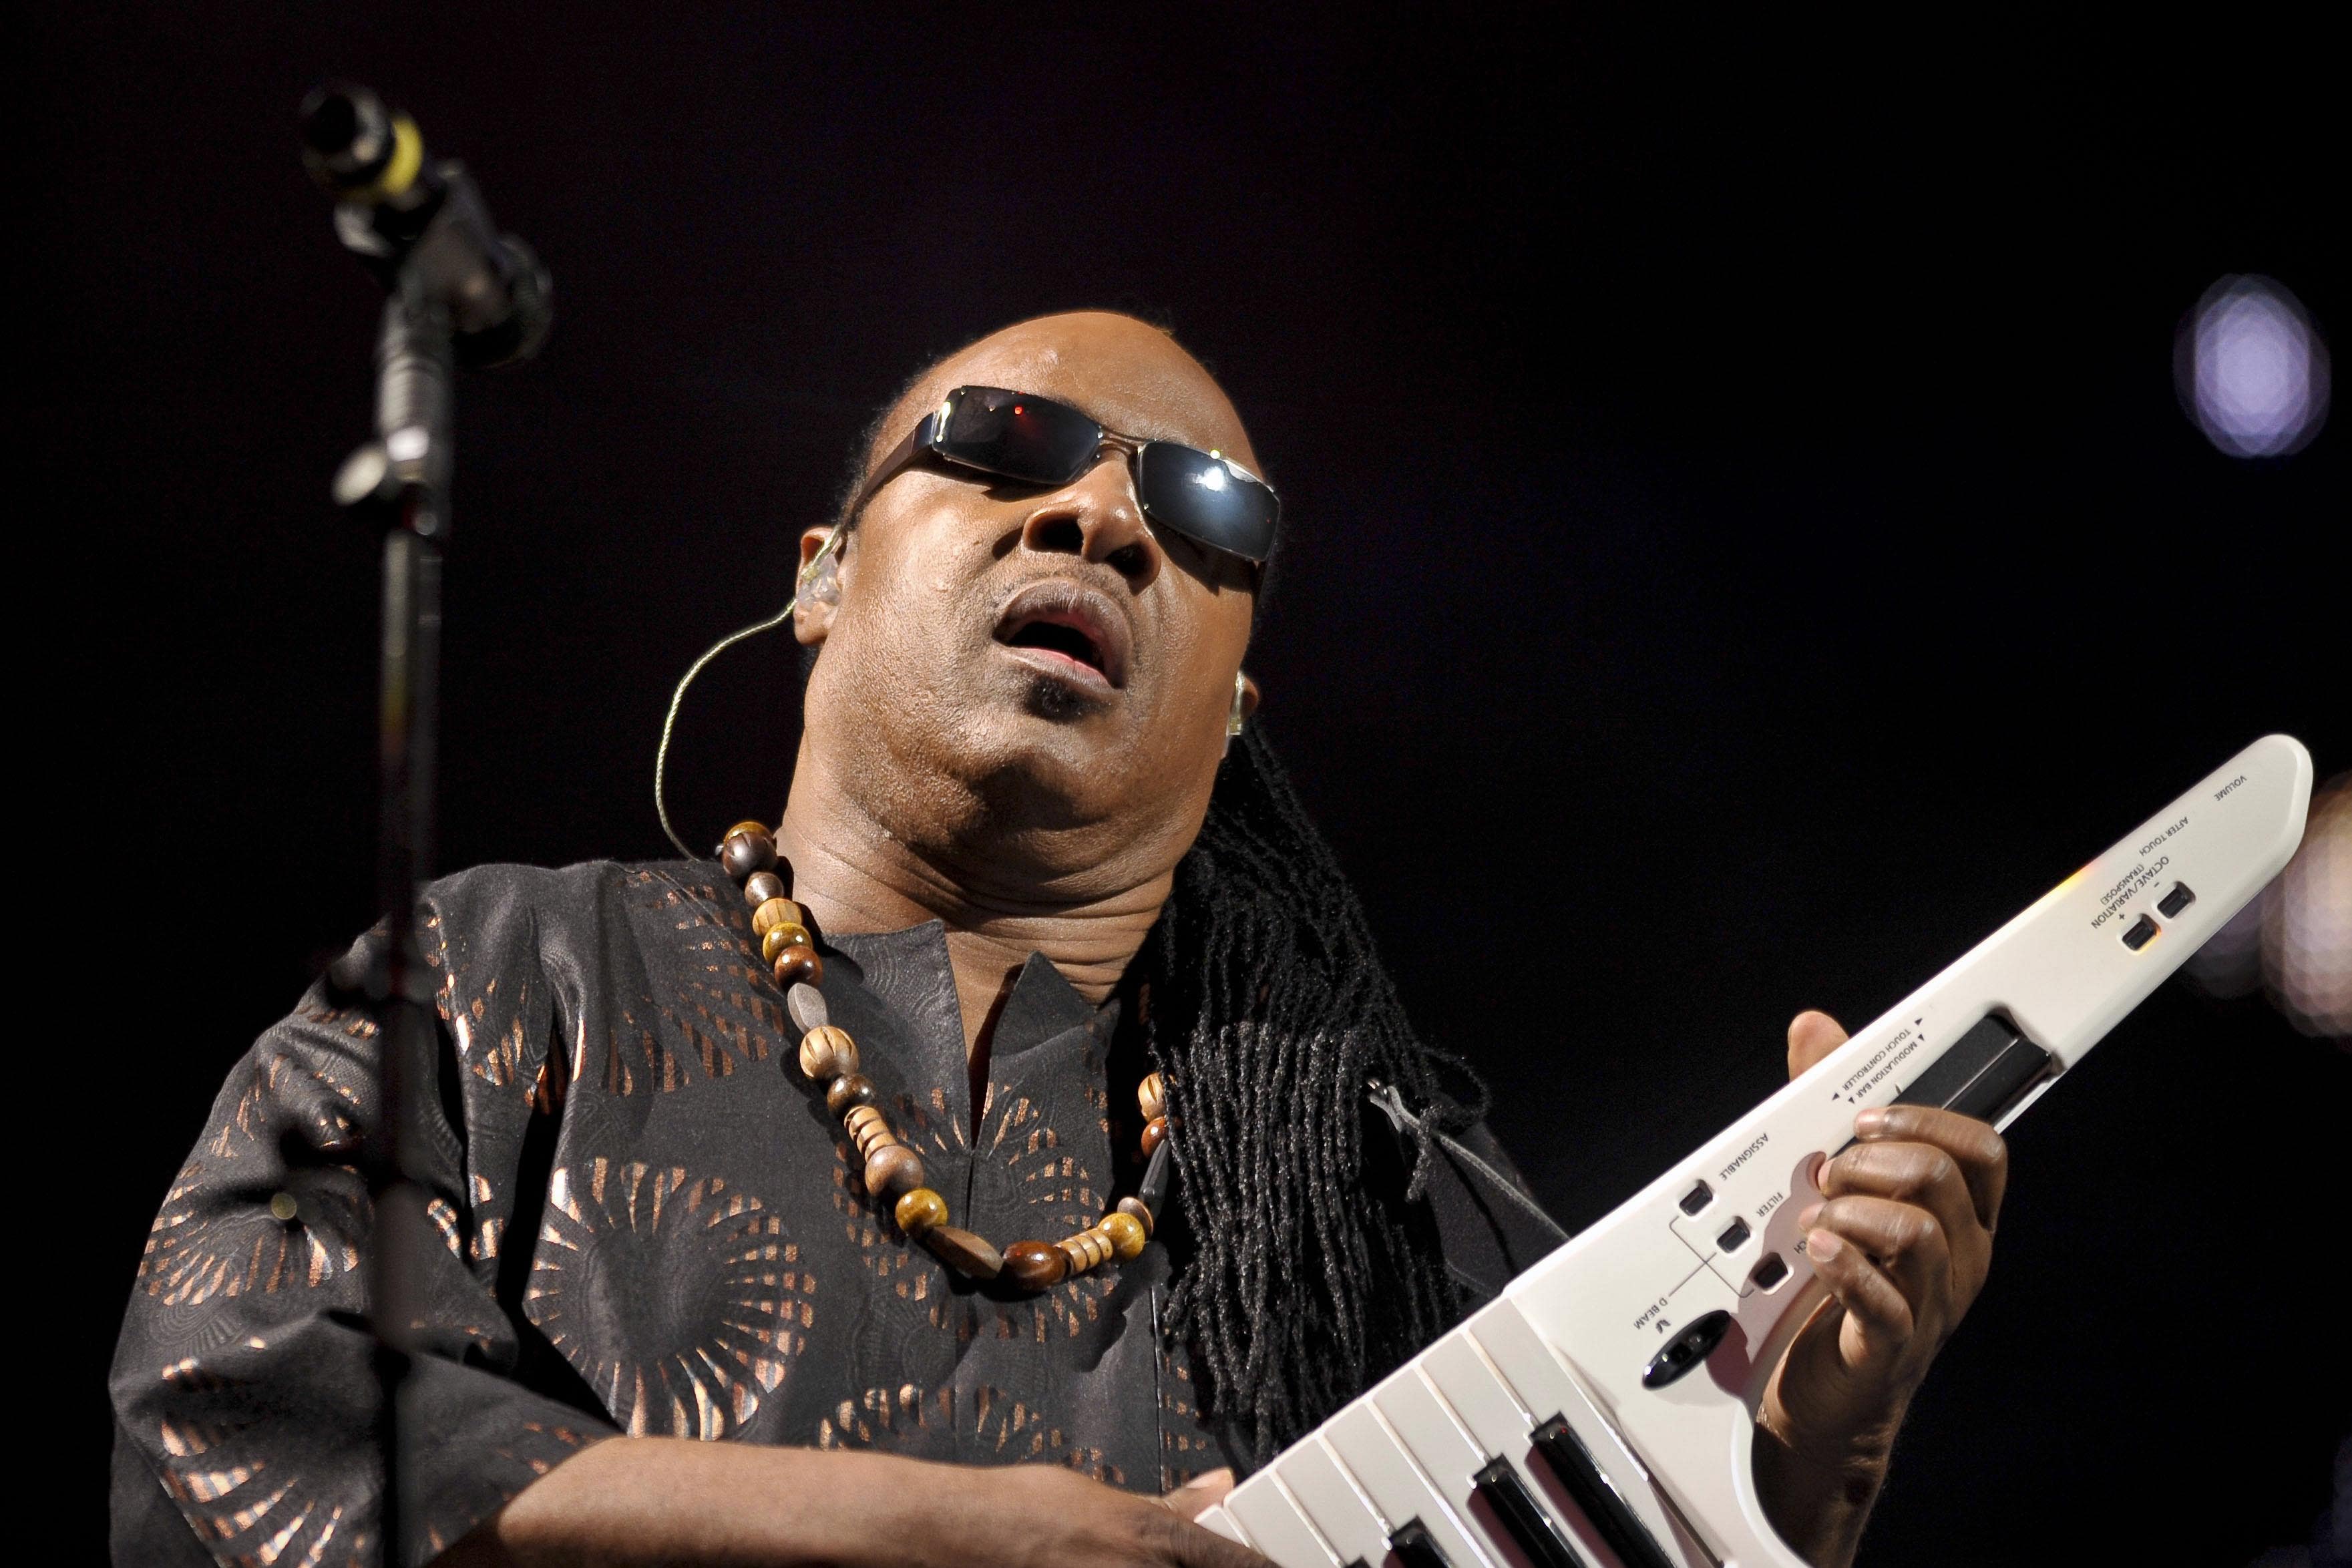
x=2143 y=931
x=2173 y=902
x=1530 y=1526
x=1597 y=1495
x=1733 y=1239
x=1697 y=1198
x=1985 y=1071
x=1416 y=1548
x=1769 y=1272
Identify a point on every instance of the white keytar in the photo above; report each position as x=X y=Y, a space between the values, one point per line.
x=1602 y=1411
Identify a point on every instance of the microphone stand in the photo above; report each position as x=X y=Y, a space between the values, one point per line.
x=401 y=479
x=456 y=290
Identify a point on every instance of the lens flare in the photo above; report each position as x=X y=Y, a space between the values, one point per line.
x=2253 y=372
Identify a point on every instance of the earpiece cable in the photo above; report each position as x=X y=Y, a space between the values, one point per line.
x=677 y=697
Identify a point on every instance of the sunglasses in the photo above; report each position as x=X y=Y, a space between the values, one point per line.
x=1206 y=496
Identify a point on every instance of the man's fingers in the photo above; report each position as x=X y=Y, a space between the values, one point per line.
x=1812 y=1037
x=1186 y=1544
x=1202 y=1492
x=1190 y=1546
x=1913 y=1173
x=1980 y=1152
x=1873 y=1305
x=1903 y=1240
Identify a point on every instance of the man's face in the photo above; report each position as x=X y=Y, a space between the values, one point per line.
x=1034 y=661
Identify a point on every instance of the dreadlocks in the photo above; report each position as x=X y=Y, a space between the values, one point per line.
x=1270 y=1015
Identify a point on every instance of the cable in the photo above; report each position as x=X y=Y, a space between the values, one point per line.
x=1391 y=1103
x=809 y=574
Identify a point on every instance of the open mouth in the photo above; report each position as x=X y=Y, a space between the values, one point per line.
x=1056 y=638
x=1066 y=629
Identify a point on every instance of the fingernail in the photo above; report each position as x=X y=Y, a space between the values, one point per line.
x=1870 y=1123
x=1821 y=1245
x=1805 y=1220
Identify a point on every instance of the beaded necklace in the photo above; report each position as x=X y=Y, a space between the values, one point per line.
x=894 y=1172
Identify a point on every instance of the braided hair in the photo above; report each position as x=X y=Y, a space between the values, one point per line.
x=1270 y=1015
x=1267 y=1009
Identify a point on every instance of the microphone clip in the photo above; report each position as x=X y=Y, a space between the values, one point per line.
x=420 y=223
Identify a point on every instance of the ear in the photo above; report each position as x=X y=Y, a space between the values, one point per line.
x=1249 y=695
x=816 y=595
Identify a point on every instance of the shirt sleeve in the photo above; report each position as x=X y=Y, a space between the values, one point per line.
x=244 y=1383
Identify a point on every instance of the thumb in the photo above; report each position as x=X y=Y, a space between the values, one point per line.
x=1812 y=1037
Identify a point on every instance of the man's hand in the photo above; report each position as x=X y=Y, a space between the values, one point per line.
x=1902 y=1238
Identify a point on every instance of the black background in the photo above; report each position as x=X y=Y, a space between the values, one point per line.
x=1745 y=546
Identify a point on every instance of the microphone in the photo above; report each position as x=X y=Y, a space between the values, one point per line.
x=400 y=211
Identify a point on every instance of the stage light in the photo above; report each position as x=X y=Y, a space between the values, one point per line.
x=2253 y=374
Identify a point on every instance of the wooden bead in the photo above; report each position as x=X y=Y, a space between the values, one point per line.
x=1127 y=1235
x=1087 y=1249
x=920 y=1210
x=868 y=1129
x=848 y=1091
x=791 y=933
x=893 y=1168
x=748 y=850
x=827 y=1052
x=970 y=1256
x=798 y=966
x=1140 y=1212
x=774 y=913
x=1153 y=1095
x=1035 y=1265
x=1154 y=1132
x=806 y=1005
x=761 y=885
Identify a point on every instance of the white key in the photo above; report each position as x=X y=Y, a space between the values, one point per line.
x=1321 y=1485
x=1275 y=1524
x=1217 y=1522
x=1487 y=1406
x=1450 y=1457
x=1388 y=1473
x=1447 y=1453
x=1545 y=1389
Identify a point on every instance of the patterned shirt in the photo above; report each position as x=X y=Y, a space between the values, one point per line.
x=648 y=1224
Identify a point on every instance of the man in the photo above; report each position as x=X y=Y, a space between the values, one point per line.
x=1038 y=873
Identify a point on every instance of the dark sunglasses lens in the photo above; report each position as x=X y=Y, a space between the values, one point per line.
x=1207 y=500
x=1020 y=437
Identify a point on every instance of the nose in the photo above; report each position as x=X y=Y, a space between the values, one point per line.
x=1096 y=517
